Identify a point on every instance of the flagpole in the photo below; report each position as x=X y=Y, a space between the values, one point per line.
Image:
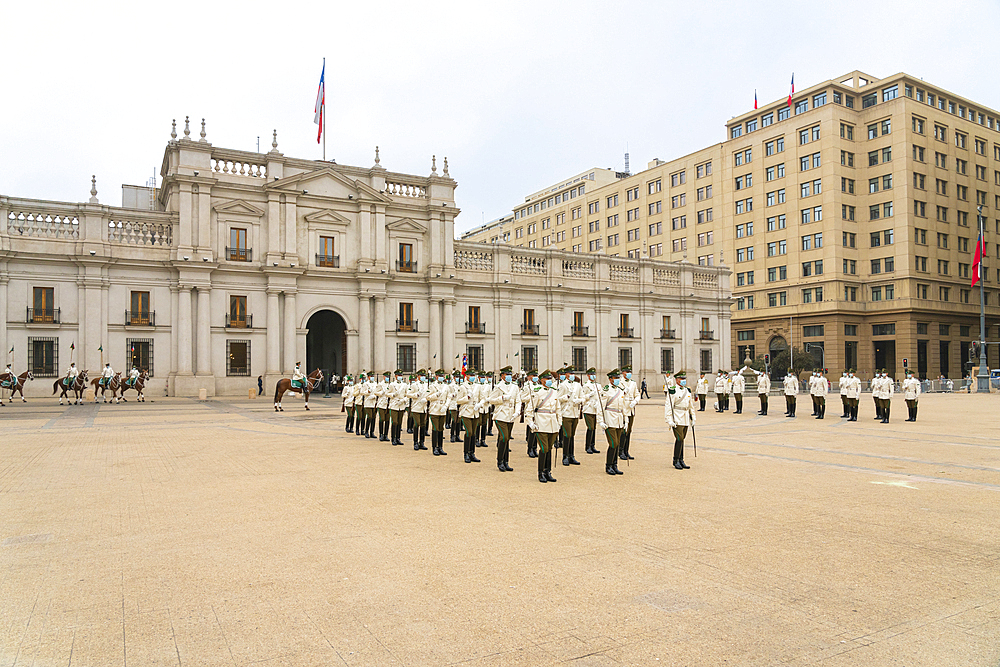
x=323 y=114
x=983 y=379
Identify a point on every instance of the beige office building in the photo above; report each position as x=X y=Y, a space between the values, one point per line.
x=848 y=217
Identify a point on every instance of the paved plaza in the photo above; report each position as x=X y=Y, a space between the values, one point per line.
x=220 y=533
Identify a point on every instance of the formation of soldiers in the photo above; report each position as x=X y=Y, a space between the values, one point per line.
x=551 y=405
x=732 y=385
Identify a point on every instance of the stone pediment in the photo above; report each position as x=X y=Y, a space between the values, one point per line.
x=327 y=182
x=406 y=225
x=327 y=217
x=239 y=207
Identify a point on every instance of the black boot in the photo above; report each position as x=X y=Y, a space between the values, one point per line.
x=357 y=425
x=506 y=457
x=350 y=421
x=588 y=442
x=383 y=432
x=609 y=461
x=465 y=448
x=532 y=447
x=678 y=450
x=593 y=443
x=500 y=464
x=572 y=451
x=472 y=449
x=548 y=466
x=423 y=436
x=822 y=411
x=441 y=444
x=885 y=419
x=915 y=413
x=541 y=470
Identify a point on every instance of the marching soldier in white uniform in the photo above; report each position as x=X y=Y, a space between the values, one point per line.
x=348 y=405
x=468 y=411
x=739 y=384
x=591 y=406
x=702 y=390
x=503 y=398
x=678 y=412
x=437 y=397
x=843 y=396
x=398 y=402
x=820 y=392
x=853 y=384
x=382 y=391
x=530 y=383
x=720 y=391
x=543 y=416
x=791 y=384
x=763 y=389
x=886 y=388
x=911 y=394
x=632 y=396
x=571 y=400
x=611 y=418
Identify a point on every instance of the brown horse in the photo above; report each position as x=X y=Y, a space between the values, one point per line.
x=77 y=387
x=15 y=385
x=113 y=385
x=284 y=384
x=138 y=385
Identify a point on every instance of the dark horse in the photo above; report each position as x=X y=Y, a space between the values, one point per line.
x=138 y=385
x=78 y=386
x=284 y=384
x=15 y=385
x=113 y=385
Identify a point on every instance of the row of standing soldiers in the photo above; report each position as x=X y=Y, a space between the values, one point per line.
x=551 y=404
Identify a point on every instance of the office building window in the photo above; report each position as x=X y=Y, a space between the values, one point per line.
x=43 y=357
x=237 y=358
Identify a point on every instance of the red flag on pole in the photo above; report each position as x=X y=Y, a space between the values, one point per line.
x=320 y=108
x=977 y=263
x=754 y=99
x=792 y=91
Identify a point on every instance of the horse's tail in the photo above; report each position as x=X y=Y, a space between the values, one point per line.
x=277 y=390
x=55 y=386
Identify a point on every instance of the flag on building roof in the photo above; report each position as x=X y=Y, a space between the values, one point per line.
x=320 y=102
x=792 y=91
x=977 y=263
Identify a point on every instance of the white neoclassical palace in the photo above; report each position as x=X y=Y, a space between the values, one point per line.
x=243 y=263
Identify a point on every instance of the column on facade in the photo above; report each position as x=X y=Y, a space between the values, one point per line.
x=379 y=340
x=273 y=226
x=448 y=334
x=291 y=317
x=499 y=358
x=174 y=328
x=364 y=333
x=204 y=218
x=183 y=330
x=291 y=245
x=434 y=350
x=204 y=330
x=273 y=333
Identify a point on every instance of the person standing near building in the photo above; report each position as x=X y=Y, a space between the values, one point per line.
x=886 y=388
x=260 y=385
x=791 y=384
x=822 y=388
x=503 y=398
x=643 y=393
x=702 y=390
x=911 y=394
x=853 y=394
x=542 y=415
x=720 y=391
x=611 y=418
x=874 y=385
x=348 y=405
x=468 y=411
x=398 y=403
x=454 y=388
x=571 y=402
x=437 y=399
x=530 y=383
x=632 y=396
x=416 y=394
x=382 y=391
x=678 y=412
x=591 y=406
x=763 y=389
x=843 y=396
x=371 y=400
x=739 y=384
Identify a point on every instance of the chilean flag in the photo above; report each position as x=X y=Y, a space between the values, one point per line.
x=320 y=102
x=465 y=364
x=754 y=99
x=792 y=91
x=977 y=263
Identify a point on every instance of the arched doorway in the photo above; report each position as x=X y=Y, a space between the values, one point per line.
x=326 y=343
x=778 y=347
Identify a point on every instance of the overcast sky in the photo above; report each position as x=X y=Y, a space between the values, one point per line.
x=517 y=94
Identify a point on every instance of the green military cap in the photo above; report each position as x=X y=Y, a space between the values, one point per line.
x=413 y=377
x=440 y=371
x=591 y=370
x=545 y=374
x=626 y=368
x=488 y=374
x=506 y=369
x=615 y=373
x=850 y=370
x=399 y=371
x=456 y=373
x=422 y=372
x=680 y=374
x=387 y=374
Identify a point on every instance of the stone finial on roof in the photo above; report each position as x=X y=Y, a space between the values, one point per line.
x=173 y=129
x=445 y=172
x=274 y=141
x=202 y=130
x=377 y=160
x=187 y=127
x=434 y=167
x=93 y=189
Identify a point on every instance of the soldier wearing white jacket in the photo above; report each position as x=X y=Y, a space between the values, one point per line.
x=883 y=390
x=738 y=386
x=591 y=406
x=911 y=394
x=417 y=395
x=543 y=414
x=571 y=399
x=702 y=391
x=398 y=402
x=347 y=394
x=632 y=395
x=504 y=400
x=530 y=383
x=820 y=390
x=853 y=392
x=371 y=399
x=720 y=391
x=612 y=417
x=438 y=396
x=678 y=411
x=791 y=384
x=468 y=411
x=843 y=396
x=382 y=391
x=763 y=389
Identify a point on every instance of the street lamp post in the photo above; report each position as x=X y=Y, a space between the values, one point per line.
x=983 y=379
x=822 y=351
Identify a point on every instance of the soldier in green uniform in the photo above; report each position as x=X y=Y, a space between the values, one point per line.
x=611 y=417
x=542 y=414
x=678 y=412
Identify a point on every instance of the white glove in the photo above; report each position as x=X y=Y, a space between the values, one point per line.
x=531 y=425
x=693 y=419
x=601 y=425
x=671 y=423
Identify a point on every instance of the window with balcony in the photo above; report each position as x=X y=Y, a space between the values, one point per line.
x=528 y=326
x=706 y=333
x=666 y=331
x=406 y=263
x=139 y=353
x=44 y=310
x=406 y=323
x=624 y=330
x=237 y=251
x=139 y=314
x=327 y=255
x=578 y=327
x=475 y=325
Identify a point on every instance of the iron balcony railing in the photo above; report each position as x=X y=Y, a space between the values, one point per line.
x=245 y=322
x=529 y=329
x=329 y=261
x=239 y=254
x=475 y=327
x=43 y=316
x=581 y=332
x=406 y=266
x=668 y=334
x=140 y=318
x=409 y=326
x=626 y=332
x=706 y=335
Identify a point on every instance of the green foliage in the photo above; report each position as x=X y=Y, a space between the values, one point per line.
x=801 y=361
